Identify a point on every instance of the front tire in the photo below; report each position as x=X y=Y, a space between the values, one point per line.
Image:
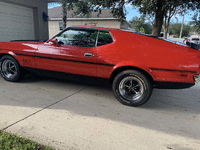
x=132 y=88
x=10 y=69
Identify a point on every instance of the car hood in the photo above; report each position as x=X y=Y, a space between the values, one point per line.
x=20 y=46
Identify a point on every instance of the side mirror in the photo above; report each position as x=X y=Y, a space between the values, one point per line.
x=53 y=41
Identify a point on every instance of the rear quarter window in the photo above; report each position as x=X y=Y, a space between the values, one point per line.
x=104 y=38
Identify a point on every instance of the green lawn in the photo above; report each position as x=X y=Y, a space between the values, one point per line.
x=10 y=141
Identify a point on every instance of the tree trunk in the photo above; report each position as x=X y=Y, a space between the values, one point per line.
x=182 y=27
x=64 y=7
x=166 y=26
x=166 y=31
x=158 y=22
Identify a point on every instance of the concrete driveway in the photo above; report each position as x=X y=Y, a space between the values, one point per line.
x=75 y=115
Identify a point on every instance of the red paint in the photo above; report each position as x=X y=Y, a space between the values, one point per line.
x=173 y=63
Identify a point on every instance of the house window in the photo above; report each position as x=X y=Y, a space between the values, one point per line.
x=60 y=26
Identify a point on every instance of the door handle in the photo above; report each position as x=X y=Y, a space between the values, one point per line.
x=88 y=55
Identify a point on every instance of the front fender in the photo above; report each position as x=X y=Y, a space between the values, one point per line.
x=23 y=61
x=6 y=52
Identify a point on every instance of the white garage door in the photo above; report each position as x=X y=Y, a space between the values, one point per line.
x=16 y=22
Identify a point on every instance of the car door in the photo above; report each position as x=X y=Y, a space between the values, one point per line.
x=74 y=52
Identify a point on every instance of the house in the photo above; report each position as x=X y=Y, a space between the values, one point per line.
x=27 y=20
x=23 y=20
x=105 y=19
x=194 y=35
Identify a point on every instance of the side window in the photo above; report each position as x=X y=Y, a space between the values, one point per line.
x=104 y=38
x=81 y=38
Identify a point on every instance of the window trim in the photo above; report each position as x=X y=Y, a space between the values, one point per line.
x=107 y=31
x=97 y=39
x=83 y=28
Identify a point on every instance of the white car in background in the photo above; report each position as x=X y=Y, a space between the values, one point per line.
x=195 y=40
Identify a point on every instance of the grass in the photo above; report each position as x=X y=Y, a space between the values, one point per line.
x=9 y=141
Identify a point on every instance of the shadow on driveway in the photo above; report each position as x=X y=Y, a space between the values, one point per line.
x=169 y=111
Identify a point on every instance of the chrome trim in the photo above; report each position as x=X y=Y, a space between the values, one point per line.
x=88 y=54
x=97 y=39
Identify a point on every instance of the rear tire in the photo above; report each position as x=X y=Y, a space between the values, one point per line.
x=132 y=88
x=10 y=69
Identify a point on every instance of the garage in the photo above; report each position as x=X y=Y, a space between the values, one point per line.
x=16 y=22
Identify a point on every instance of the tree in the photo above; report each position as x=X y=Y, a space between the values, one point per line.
x=138 y=23
x=84 y=7
x=160 y=9
x=79 y=7
x=117 y=7
x=196 y=19
x=142 y=30
x=157 y=8
x=173 y=9
x=175 y=29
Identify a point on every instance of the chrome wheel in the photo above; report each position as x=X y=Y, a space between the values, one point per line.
x=9 y=69
x=131 y=88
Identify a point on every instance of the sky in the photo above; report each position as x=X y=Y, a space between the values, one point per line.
x=134 y=12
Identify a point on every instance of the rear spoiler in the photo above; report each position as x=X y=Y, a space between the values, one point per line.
x=193 y=45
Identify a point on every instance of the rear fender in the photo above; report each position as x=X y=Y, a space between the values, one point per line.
x=129 y=65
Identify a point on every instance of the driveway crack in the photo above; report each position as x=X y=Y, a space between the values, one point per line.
x=43 y=109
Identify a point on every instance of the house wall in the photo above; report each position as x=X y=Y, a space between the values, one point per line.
x=124 y=26
x=54 y=24
x=38 y=6
x=194 y=35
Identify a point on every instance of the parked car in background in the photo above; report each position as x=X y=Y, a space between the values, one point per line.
x=132 y=62
x=195 y=40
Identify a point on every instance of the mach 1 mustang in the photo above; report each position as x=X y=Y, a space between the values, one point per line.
x=134 y=63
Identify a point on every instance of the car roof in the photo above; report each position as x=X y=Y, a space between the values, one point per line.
x=94 y=28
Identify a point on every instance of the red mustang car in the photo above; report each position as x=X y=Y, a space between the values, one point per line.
x=133 y=63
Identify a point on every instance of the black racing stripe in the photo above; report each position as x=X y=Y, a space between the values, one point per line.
x=171 y=70
x=64 y=59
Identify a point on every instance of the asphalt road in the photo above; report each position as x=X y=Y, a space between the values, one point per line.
x=79 y=115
